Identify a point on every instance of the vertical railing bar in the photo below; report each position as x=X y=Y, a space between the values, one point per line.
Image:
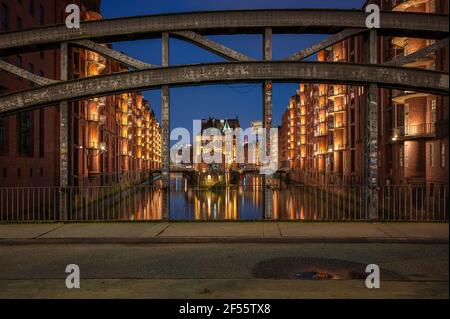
x=311 y=212
x=34 y=204
x=72 y=205
x=439 y=203
x=83 y=204
x=8 y=212
x=109 y=203
x=39 y=202
x=22 y=204
x=45 y=203
x=348 y=195
x=5 y=204
x=422 y=206
x=1 y=204
x=103 y=203
x=445 y=202
x=17 y=204
x=28 y=203
x=120 y=199
x=432 y=203
x=45 y=208
x=321 y=203
x=91 y=201
x=390 y=201
x=87 y=207
x=396 y=204
x=130 y=200
x=134 y=201
x=49 y=204
x=403 y=189
x=339 y=194
x=353 y=195
x=54 y=204
x=411 y=203
x=96 y=202
x=417 y=203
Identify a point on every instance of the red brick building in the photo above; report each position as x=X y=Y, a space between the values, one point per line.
x=112 y=138
x=325 y=122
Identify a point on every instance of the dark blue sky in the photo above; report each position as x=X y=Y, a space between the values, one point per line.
x=243 y=100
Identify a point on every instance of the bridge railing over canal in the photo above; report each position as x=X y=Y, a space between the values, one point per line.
x=145 y=203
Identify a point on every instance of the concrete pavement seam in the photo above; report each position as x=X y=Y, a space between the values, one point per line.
x=231 y=240
x=279 y=229
x=163 y=230
x=377 y=226
x=48 y=232
x=396 y=229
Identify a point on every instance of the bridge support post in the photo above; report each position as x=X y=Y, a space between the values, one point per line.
x=371 y=110
x=64 y=140
x=165 y=132
x=267 y=124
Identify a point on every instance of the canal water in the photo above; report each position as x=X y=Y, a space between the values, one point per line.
x=239 y=202
x=242 y=201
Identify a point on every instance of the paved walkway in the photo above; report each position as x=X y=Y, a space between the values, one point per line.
x=178 y=232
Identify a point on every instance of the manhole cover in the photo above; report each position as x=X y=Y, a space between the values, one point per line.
x=306 y=268
x=313 y=275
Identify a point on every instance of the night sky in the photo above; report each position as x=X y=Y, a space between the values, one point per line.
x=220 y=101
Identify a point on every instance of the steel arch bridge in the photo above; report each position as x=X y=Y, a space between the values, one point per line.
x=194 y=27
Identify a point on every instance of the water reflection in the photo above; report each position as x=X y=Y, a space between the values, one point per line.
x=243 y=201
x=240 y=202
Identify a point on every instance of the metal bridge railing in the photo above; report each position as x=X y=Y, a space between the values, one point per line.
x=144 y=203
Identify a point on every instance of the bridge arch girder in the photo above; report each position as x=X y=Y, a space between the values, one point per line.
x=226 y=22
x=187 y=75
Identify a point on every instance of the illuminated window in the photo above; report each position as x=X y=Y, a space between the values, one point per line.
x=443 y=157
x=433 y=111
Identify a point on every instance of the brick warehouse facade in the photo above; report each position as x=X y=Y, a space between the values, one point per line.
x=322 y=127
x=114 y=139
